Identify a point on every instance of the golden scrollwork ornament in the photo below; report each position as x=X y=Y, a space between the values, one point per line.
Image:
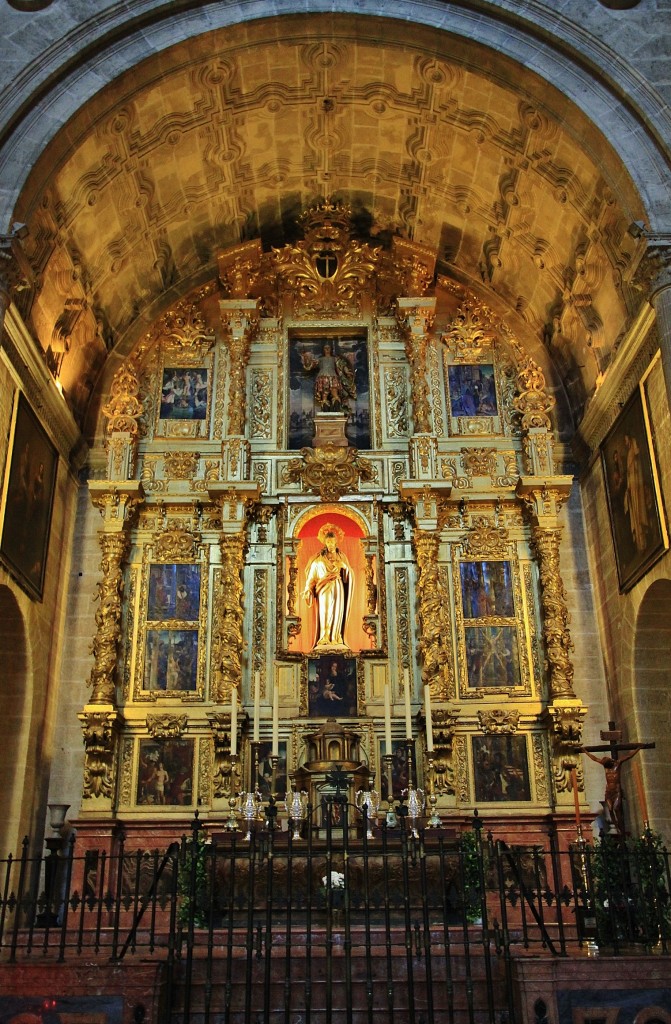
x=329 y=471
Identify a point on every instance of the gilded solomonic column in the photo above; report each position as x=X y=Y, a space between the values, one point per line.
x=101 y=720
x=565 y=712
x=240 y=318
x=434 y=602
x=416 y=317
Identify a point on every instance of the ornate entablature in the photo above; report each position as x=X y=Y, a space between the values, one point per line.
x=323 y=440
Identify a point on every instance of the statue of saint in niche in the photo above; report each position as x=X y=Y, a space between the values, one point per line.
x=334 y=384
x=329 y=581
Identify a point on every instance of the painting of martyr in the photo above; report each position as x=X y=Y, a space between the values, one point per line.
x=184 y=393
x=328 y=373
x=174 y=592
x=486 y=589
x=165 y=772
x=472 y=389
x=501 y=768
x=171 y=660
x=492 y=658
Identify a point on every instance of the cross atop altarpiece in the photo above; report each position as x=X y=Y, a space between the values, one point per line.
x=612 y=765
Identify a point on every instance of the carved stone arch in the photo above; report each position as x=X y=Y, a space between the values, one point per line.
x=15 y=778
x=651 y=696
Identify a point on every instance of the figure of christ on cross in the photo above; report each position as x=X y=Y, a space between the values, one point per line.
x=612 y=766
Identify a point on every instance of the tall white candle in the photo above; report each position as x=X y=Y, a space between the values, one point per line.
x=429 y=723
x=275 y=752
x=387 y=719
x=408 y=712
x=257 y=704
x=234 y=721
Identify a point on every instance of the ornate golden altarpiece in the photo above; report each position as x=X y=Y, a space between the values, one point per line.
x=212 y=506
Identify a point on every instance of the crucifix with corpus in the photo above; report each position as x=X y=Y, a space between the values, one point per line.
x=612 y=766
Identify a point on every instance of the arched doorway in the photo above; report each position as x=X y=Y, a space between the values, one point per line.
x=16 y=717
x=652 y=698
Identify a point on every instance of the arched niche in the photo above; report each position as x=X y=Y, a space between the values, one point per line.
x=16 y=706
x=352 y=541
x=652 y=699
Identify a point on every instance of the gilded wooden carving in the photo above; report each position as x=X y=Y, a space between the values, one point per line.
x=434 y=602
x=108 y=618
x=100 y=733
x=227 y=640
x=330 y=471
x=556 y=635
x=497 y=720
x=166 y=726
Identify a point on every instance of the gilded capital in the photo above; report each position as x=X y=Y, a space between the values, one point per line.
x=15 y=270
x=653 y=273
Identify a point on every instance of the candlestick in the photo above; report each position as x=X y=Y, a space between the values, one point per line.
x=275 y=752
x=387 y=719
x=643 y=804
x=429 y=723
x=408 y=712
x=257 y=704
x=234 y=722
x=576 y=795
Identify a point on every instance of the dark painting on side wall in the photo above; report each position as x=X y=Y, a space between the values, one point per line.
x=28 y=500
x=638 y=529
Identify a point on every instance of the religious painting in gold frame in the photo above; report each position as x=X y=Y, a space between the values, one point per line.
x=637 y=524
x=475 y=405
x=165 y=774
x=492 y=648
x=501 y=768
x=170 y=654
x=182 y=394
x=329 y=373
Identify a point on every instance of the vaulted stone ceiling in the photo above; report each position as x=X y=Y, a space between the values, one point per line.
x=230 y=136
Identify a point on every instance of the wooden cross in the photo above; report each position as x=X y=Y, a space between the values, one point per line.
x=612 y=765
x=613 y=744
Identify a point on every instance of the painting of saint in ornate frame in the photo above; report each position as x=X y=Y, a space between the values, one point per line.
x=184 y=393
x=399 y=769
x=264 y=778
x=486 y=589
x=492 y=657
x=501 y=769
x=28 y=500
x=472 y=388
x=328 y=373
x=632 y=491
x=171 y=660
x=332 y=687
x=165 y=773
x=174 y=592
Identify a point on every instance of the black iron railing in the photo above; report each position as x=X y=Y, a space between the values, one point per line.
x=335 y=926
